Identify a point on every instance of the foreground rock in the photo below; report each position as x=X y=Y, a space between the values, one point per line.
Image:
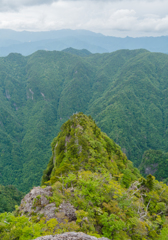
x=70 y=236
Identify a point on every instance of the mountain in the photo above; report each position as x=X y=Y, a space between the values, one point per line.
x=124 y=91
x=155 y=162
x=89 y=186
x=27 y=43
x=82 y=146
x=82 y=53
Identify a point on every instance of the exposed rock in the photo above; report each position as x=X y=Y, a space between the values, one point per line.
x=7 y=94
x=151 y=169
x=31 y=93
x=49 y=211
x=36 y=202
x=70 y=236
x=67 y=140
x=68 y=210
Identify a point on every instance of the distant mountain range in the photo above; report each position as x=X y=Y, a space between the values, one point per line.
x=28 y=42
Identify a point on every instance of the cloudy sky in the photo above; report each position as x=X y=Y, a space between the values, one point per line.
x=110 y=17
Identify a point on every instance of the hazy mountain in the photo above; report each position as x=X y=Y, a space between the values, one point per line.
x=28 y=42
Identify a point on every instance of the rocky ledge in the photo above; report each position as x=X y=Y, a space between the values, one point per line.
x=70 y=236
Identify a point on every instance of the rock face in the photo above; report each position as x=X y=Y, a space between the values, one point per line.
x=151 y=169
x=70 y=236
x=37 y=202
x=68 y=210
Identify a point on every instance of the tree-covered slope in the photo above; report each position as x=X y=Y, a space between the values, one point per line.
x=9 y=197
x=82 y=146
x=125 y=92
x=90 y=186
x=155 y=162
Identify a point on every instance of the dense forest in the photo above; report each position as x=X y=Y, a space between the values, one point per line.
x=93 y=188
x=125 y=92
x=9 y=197
x=155 y=162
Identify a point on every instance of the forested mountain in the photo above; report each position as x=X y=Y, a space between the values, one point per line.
x=26 y=42
x=124 y=91
x=90 y=186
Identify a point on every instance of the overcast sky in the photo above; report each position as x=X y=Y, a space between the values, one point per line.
x=111 y=17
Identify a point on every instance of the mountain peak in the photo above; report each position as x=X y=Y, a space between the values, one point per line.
x=82 y=146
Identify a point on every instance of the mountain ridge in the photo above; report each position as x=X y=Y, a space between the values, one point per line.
x=26 y=43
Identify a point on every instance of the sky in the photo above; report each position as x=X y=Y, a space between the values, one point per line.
x=121 y=18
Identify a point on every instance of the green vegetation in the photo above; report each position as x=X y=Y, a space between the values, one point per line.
x=82 y=146
x=125 y=92
x=111 y=198
x=9 y=197
x=155 y=162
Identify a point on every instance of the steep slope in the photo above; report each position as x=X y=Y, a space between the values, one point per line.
x=125 y=92
x=129 y=110
x=89 y=186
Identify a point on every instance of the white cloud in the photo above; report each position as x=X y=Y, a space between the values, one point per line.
x=119 y=18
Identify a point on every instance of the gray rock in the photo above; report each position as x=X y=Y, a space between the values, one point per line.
x=68 y=210
x=70 y=236
x=36 y=202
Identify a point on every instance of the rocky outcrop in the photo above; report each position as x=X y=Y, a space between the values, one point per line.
x=37 y=202
x=70 y=236
x=68 y=210
x=151 y=169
